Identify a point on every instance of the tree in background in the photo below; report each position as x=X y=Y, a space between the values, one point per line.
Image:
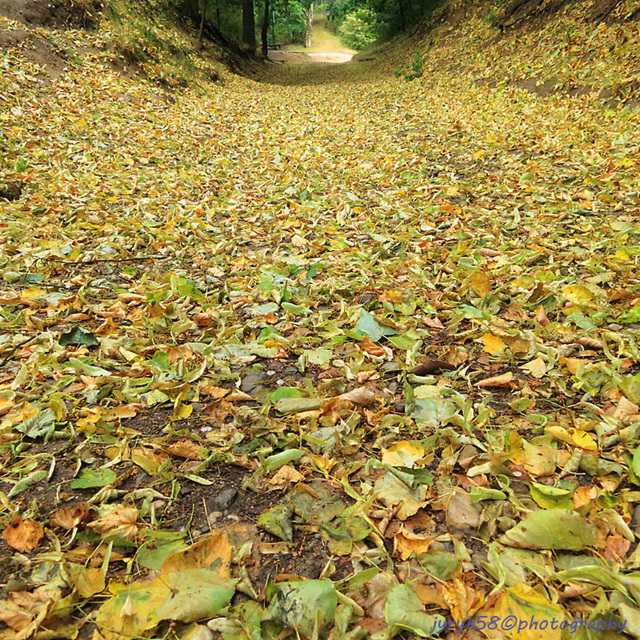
x=359 y=22
x=249 y=25
x=265 y=29
x=308 y=24
x=358 y=29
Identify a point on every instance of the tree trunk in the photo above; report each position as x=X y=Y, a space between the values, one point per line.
x=249 y=25
x=190 y=8
x=308 y=15
x=403 y=24
x=201 y=34
x=265 y=29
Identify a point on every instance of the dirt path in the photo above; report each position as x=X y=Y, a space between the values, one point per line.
x=326 y=47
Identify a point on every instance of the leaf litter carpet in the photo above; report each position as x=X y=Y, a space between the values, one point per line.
x=330 y=355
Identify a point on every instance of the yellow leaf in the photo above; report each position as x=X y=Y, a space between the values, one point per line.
x=542 y=461
x=492 y=344
x=87 y=580
x=577 y=294
x=183 y=411
x=572 y=364
x=403 y=454
x=527 y=606
x=5 y=405
x=213 y=552
x=91 y=418
x=479 y=154
x=537 y=367
x=575 y=437
x=406 y=542
x=480 y=283
x=148 y=459
x=32 y=293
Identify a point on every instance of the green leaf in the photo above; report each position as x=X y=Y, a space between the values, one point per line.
x=90 y=478
x=297 y=405
x=307 y=606
x=79 y=336
x=277 y=521
x=278 y=460
x=404 y=610
x=295 y=309
x=370 y=327
x=25 y=483
x=553 y=529
x=160 y=360
x=88 y=369
x=42 y=424
x=285 y=392
x=485 y=493
x=550 y=497
x=196 y=594
x=631 y=388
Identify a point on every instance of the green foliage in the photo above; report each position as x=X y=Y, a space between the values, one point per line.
x=359 y=29
x=414 y=70
x=288 y=23
x=492 y=19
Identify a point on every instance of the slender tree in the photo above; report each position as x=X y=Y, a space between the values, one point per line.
x=249 y=25
x=403 y=24
x=202 y=19
x=308 y=25
x=265 y=29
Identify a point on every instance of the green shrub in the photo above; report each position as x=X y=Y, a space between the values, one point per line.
x=414 y=70
x=358 y=30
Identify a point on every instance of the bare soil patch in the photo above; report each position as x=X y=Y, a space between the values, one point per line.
x=49 y=13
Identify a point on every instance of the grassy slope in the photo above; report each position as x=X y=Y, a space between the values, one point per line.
x=164 y=228
x=565 y=50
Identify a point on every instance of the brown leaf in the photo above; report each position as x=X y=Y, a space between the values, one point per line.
x=119 y=522
x=70 y=517
x=361 y=396
x=23 y=535
x=589 y=342
x=504 y=380
x=541 y=316
x=626 y=411
x=370 y=347
x=184 y=448
x=616 y=548
x=215 y=392
x=406 y=543
x=430 y=366
x=285 y=476
x=213 y=552
x=461 y=512
x=203 y=319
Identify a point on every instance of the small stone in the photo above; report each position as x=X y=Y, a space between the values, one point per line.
x=252 y=381
x=214 y=516
x=222 y=500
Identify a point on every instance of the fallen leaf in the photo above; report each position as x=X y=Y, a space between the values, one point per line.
x=23 y=535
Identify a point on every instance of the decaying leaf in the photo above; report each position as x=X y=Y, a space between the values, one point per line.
x=120 y=521
x=23 y=535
